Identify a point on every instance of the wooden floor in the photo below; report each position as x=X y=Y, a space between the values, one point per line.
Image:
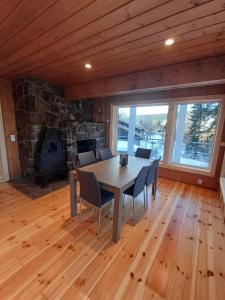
x=175 y=251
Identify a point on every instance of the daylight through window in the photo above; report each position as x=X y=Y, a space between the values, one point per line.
x=192 y=131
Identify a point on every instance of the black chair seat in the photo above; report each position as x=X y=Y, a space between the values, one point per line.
x=86 y=158
x=143 y=153
x=138 y=186
x=106 y=196
x=139 y=183
x=105 y=154
x=129 y=191
x=152 y=176
x=152 y=172
x=91 y=192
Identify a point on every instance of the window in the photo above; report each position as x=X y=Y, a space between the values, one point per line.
x=142 y=126
x=188 y=140
x=196 y=126
x=122 y=129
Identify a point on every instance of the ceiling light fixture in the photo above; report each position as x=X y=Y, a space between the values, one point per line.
x=169 y=42
x=88 y=66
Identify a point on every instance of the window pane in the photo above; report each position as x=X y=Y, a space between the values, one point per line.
x=195 y=133
x=150 y=128
x=122 y=129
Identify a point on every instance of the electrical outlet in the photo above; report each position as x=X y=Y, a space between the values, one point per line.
x=12 y=138
x=200 y=181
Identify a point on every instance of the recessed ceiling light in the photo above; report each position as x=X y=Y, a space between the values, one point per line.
x=88 y=66
x=169 y=42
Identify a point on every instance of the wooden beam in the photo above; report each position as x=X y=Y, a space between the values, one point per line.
x=195 y=73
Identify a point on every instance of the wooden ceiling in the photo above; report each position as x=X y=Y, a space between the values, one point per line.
x=53 y=39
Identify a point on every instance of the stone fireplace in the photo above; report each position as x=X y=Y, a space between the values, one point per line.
x=86 y=145
x=41 y=105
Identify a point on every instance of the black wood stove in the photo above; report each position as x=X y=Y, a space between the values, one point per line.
x=50 y=156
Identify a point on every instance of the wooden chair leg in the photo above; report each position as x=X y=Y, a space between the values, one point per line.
x=99 y=221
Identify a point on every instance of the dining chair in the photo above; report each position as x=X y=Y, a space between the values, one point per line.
x=139 y=186
x=152 y=177
x=105 y=154
x=86 y=158
x=143 y=153
x=92 y=193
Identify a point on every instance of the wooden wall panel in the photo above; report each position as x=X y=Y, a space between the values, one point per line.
x=8 y=115
x=102 y=108
x=1 y=168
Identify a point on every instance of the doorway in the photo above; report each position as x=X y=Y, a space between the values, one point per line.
x=4 y=174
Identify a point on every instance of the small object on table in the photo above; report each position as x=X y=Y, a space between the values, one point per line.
x=123 y=159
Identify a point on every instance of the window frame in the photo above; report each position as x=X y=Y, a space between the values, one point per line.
x=170 y=131
x=192 y=169
x=114 y=113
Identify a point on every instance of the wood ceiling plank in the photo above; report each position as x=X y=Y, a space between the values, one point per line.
x=160 y=60
x=185 y=40
x=117 y=16
x=171 y=8
x=51 y=18
x=63 y=18
x=115 y=38
x=158 y=49
x=121 y=58
x=73 y=79
x=6 y=8
x=142 y=64
x=152 y=56
x=22 y=16
x=161 y=36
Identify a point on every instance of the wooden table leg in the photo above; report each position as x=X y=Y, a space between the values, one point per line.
x=117 y=215
x=73 y=195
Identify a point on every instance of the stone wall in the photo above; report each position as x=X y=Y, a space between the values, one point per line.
x=40 y=104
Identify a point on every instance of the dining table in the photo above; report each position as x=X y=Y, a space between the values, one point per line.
x=114 y=178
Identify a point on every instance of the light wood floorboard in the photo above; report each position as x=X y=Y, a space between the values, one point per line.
x=176 y=250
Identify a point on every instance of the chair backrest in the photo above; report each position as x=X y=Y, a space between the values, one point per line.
x=89 y=187
x=105 y=154
x=139 y=183
x=152 y=172
x=143 y=153
x=86 y=158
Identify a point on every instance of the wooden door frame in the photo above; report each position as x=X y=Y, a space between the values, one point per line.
x=3 y=154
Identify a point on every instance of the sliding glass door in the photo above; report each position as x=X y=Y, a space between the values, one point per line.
x=142 y=126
